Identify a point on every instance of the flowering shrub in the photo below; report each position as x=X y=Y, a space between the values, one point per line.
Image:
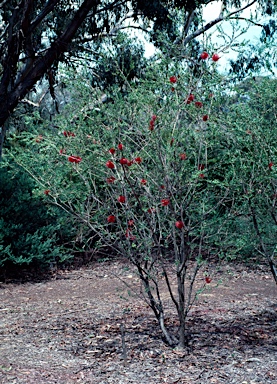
x=158 y=181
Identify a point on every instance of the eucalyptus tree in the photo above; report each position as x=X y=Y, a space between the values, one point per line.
x=35 y=36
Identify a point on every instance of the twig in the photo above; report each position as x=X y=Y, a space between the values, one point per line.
x=124 y=349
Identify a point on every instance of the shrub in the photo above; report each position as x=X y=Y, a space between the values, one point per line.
x=31 y=232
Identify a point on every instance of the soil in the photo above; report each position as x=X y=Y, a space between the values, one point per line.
x=70 y=329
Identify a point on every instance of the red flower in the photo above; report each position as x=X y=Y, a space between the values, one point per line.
x=172 y=89
x=131 y=223
x=138 y=160
x=74 y=159
x=173 y=79
x=152 y=122
x=110 y=164
x=215 y=57
x=205 y=117
x=204 y=55
x=68 y=134
x=198 y=104
x=62 y=151
x=179 y=224
x=110 y=180
x=162 y=186
x=47 y=191
x=121 y=199
x=201 y=167
x=270 y=165
x=111 y=219
x=151 y=210
x=123 y=161
x=120 y=146
x=171 y=142
x=208 y=280
x=183 y=156
x=39 y=138
x=129 y=162
x=190 y=98
x=201 y=175
x=143 y=181
x=112 y=151
x=165 y=202
x=129 y=235
x=151 y=125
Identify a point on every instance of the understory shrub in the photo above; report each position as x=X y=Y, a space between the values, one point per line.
x=169 y=174
x=31 y=232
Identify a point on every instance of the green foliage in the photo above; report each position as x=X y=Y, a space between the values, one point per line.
x=251 y=118
x=30 y=232
x=175 y=169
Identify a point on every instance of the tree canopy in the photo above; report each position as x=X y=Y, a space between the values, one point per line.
x=35 y=36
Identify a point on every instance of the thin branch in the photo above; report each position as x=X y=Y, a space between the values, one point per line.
x=46 y=10
x=246 y=19
x=169 y=288
x=3 y=3
x=214 y=22
x=109 y=7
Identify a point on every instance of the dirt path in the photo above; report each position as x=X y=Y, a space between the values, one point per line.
x=67 y=330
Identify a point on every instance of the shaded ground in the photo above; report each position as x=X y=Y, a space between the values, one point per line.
x=67 y=330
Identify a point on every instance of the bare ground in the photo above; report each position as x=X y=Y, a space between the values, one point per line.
x=67 y=330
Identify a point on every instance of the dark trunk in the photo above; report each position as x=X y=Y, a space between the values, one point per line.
x=11 y=94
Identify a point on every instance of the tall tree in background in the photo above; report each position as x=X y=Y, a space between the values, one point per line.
x=36 y=35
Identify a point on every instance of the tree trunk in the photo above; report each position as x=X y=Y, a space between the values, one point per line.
x=10 y=96
x=181 y=309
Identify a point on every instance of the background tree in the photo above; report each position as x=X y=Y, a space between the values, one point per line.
x=37 y=35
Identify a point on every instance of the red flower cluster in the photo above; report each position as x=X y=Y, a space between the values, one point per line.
x=205 y=118
x=204 y=55
x=121 y=199
x=215 y=57
x=74 y=159
x=110 y=180
x=68 y=134
x=39 y=138
x=111 y=219
x=143 y=181
x=165 y=202
x=183 y=156
x=190 y=98
x=198 y=104
x=128 y=235
x=152 y=122
x=179 y=224
x=47 y=191
x=173 y=79
x=138 y=160
x=110 y=164
x=123 y=161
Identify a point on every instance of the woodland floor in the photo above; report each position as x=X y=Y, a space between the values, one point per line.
x=67 y=330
